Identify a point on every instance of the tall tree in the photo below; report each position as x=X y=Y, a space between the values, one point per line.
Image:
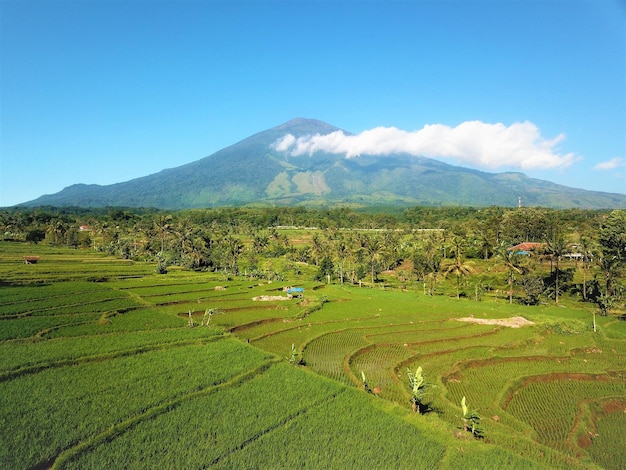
x=232 y=248
x=319 y=248
x=458 y=266
x=432 y=247
x=56 y=228
x=556 y=247
x=513 y=262
x=524 y=224
x=375 y=250
x=163 y=227
x=612 y=239
x=260 y=241
x=586 y=247
x=341 y=253
x=487 y=233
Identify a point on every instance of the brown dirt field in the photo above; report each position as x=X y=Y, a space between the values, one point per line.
x=513 y=322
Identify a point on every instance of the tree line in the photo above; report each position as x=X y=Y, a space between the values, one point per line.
x=423 y=244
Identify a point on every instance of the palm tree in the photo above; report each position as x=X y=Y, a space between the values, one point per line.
x=458 y=267
x=163 y=227
x=341 y=252
x=556 y=246
x=586 y=247
x=184 y=229
x=513 y=262
x=233 y=249
x=12 y=223
x=350 y=257
x=260 y=242
x=375 y=250
x=56 y=228
x=391 y=242
x=432 y=259
x=609 y=265
x=318 y=249
x=196 y=252
x=486 y=233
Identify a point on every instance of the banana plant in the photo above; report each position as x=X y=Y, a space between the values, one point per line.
x=366 y=386
x=418 y=384
x=294 y=358
x=471 y=420
x=208 y=315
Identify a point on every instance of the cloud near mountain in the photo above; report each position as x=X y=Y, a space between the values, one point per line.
x=254 y=171
x=474 y=143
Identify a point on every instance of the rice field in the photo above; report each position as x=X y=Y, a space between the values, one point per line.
x=99 y=368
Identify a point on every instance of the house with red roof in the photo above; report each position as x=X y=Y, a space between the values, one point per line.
x=526 y=248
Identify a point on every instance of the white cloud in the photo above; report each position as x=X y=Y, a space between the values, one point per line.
x=282 y=145
x=611 y=164
x=475 y=143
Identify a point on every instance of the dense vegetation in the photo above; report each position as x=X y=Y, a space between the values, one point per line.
x=421 y=244
x=151 y=339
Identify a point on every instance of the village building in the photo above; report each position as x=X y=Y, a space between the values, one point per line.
x=526 y=248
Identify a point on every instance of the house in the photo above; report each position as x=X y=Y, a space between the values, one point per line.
x=526 y=248
x=31 y=259
x=84 y=228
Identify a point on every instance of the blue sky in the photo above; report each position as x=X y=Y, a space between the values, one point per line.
x=107 y=91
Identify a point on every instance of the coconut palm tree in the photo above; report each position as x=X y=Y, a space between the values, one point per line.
x=233 y=248
x=458 y=266
x=429 y=260
x=513 y=262
x=556 y=247
x=163 y=227
x=183 y=232
x=260 y=242
x=341 y=253
x=375 y=250
x=319 y=249
x=56 y=228
x=586 y=248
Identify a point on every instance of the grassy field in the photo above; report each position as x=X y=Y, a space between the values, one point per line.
x=99 y=368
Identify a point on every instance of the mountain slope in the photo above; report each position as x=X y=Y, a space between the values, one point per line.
x=254 y=171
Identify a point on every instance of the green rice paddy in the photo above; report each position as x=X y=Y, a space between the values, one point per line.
x=99 y=368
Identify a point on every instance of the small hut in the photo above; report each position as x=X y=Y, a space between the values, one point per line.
x=31 y=259
x=296 y=291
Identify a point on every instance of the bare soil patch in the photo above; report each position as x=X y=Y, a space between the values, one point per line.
x=267 y=298
x=513 y=322
x=613 y=406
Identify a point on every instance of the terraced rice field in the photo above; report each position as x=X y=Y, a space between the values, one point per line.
x=99 y=368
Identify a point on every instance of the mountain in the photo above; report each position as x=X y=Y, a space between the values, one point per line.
x=253 y=171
